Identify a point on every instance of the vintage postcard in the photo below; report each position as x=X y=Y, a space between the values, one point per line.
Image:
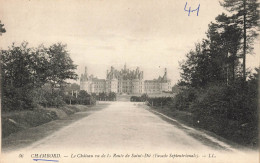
x=129 y=81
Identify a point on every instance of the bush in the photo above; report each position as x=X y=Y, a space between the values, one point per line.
x=184 y=99
x=111 y=96
x=82 y=98
x=135 y=99
x=227 y=110
x=54 y=99
x=160 y=101
x=70 y=99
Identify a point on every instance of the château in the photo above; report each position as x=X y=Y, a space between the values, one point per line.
x=124 y=81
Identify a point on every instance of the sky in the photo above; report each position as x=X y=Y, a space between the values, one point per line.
x=150 y=34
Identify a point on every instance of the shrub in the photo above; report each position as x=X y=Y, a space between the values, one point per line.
x=160 y=101
x=227 y=110
x=184 y=99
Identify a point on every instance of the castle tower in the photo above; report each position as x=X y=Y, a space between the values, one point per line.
x=165 y=74
x=165 y=83
x=137 y=70
x=86 y=71
x=84 y=83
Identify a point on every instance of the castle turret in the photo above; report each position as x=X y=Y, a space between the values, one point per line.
x=165 y=74
x=86 y=71
x=112 y=69
x=84 y=80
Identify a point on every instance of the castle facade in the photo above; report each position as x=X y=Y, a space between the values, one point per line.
x=124 y=81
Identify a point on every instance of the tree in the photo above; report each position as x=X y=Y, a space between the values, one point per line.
x=26 y=70
x=246 y=15
x=112 y=96
x=231 y=36
x=102 y=96
x=69 y=88
x=144 y=97
x=2 y=29
x=60 y=66
x=196 y=70
x=24 y=66
x=215 y=59
x=224 y=39
x=84 y=97
x=20 y=75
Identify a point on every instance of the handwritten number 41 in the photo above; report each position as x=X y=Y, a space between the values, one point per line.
x=197 y=9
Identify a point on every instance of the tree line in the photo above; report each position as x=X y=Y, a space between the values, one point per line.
x=34 y=76
x=215 y=86
x=77 y=96
x=104 y=96
x=37 y=76
x=81 y=97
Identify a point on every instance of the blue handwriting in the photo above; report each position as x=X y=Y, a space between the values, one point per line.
x=45 y=160
x=197 y=9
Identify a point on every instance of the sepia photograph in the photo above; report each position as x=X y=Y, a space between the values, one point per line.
x=129 y=81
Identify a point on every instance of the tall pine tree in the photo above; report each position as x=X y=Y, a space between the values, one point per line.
x=246 y=16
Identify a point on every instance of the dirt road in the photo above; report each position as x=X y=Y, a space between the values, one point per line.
x=125 y=128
